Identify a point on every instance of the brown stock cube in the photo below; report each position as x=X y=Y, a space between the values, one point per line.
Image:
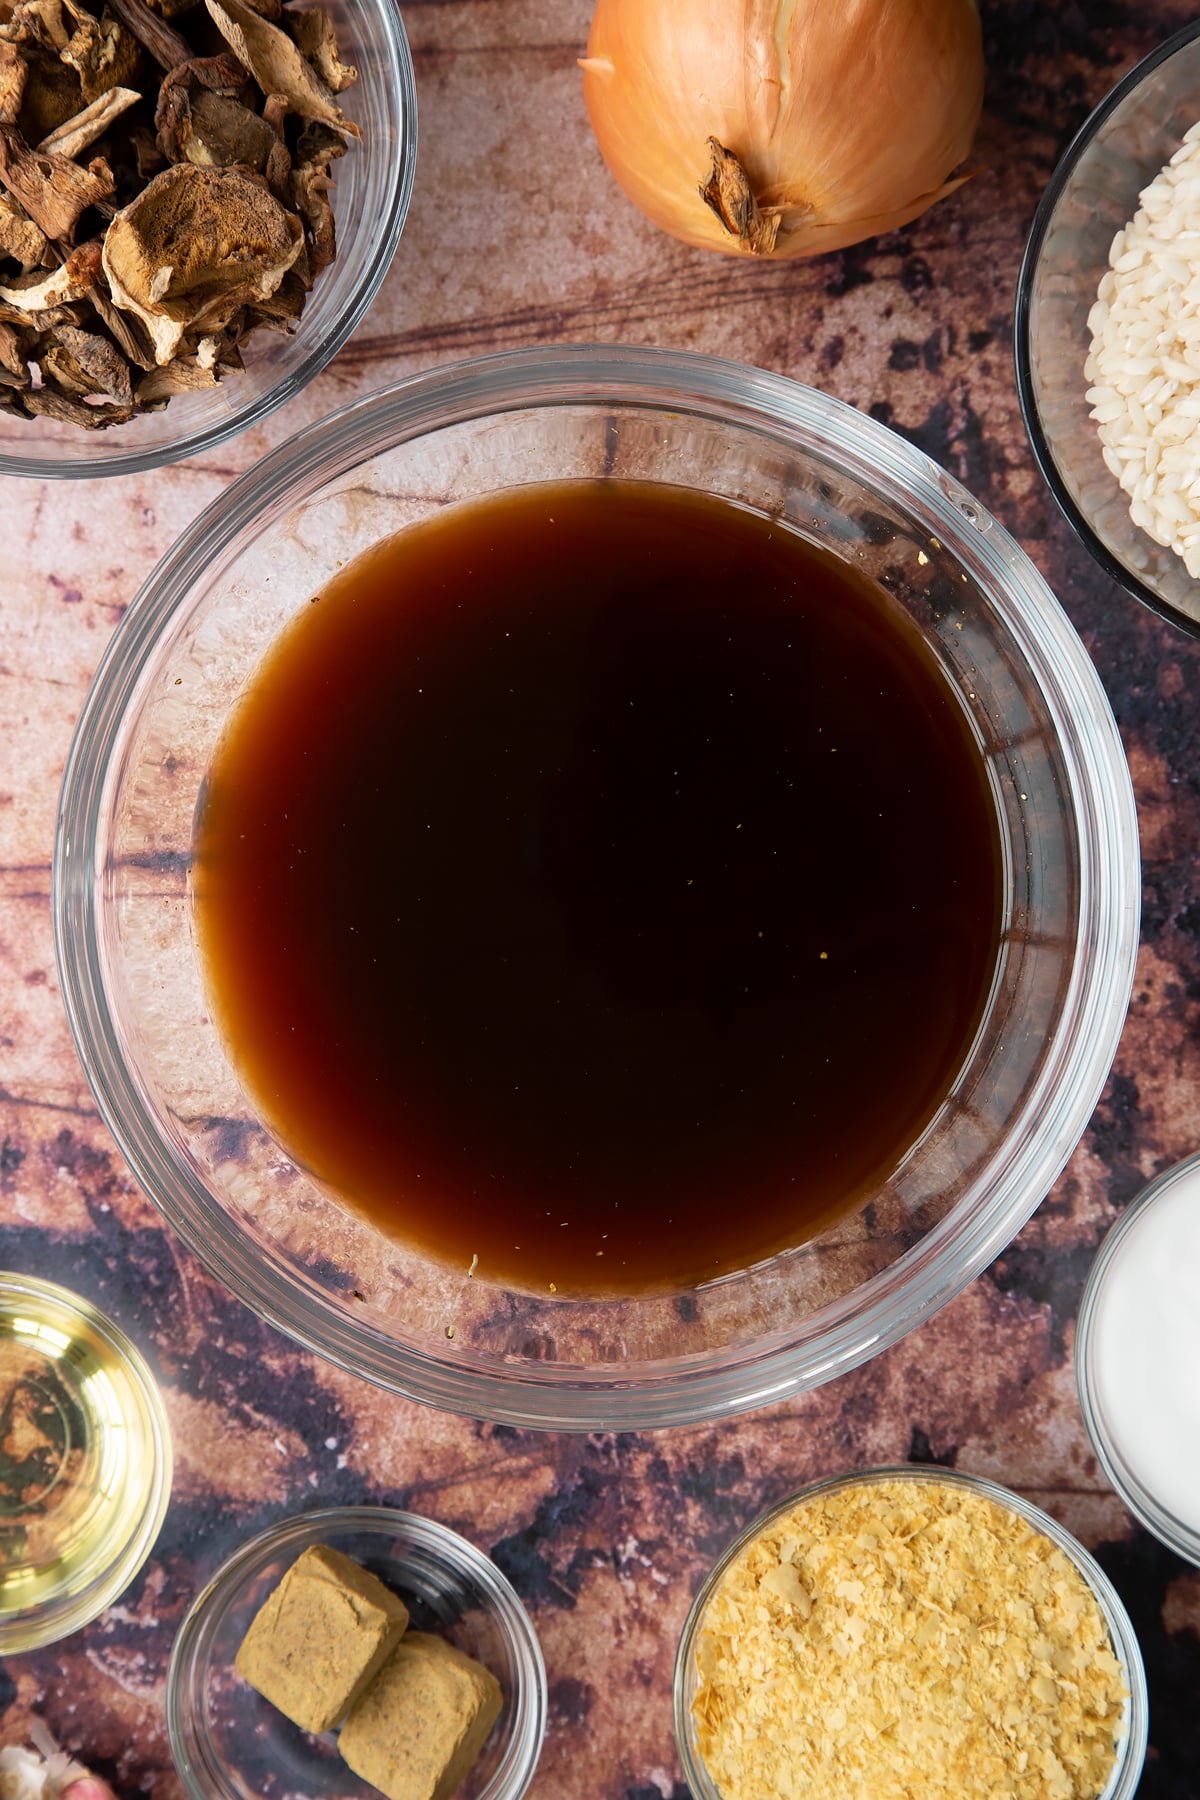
x=320 y=1637
x=423 y=1721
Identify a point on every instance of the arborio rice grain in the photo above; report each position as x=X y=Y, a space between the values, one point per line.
x=1143 y=369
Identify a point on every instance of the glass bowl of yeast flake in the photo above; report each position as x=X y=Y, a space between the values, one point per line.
x=909 y=1631
x=287 y=130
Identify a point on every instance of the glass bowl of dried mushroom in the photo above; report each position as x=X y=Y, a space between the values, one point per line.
x=909 y=1630
x=198 y=202
x=1108 y=331
x=509 y=1078
x=300 y=1667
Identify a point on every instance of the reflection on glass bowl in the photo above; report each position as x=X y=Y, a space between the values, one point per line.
x=157 y=1062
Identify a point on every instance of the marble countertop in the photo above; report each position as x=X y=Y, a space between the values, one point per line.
x=517 y=236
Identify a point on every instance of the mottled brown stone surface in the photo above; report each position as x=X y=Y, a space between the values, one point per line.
x=517 y=236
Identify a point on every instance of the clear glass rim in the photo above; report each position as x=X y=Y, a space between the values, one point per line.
x=1131 y=1751
x=59 y=1616
x=1023 y=345
x=193 y=1641
x=1057 y=1108
x=1169 y=1530
x=52 y=465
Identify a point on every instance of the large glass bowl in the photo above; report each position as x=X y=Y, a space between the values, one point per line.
x=372 y=185
x=159 y=1068
x=1133 y=132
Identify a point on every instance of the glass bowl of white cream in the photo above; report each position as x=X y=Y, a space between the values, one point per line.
x=1138 y=1352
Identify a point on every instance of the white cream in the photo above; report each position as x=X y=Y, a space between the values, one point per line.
x=1144 y=1356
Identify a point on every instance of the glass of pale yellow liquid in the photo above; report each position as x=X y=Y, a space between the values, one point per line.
x=85 y=1462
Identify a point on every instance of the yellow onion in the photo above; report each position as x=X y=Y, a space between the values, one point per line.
x=783 y=127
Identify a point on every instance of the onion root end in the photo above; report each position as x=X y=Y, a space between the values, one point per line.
x=726 y=191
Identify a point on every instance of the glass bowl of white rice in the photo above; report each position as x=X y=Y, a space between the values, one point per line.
x=1108 y=331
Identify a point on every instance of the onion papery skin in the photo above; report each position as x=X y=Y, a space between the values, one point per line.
x=849 y=117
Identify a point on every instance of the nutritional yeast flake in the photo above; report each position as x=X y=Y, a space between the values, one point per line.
x=899 y=1637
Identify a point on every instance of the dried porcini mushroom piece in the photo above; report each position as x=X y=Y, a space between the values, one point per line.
x=148 y=158
x=316 y=40
x=318 y=145
x=14 y=72
x=278 y=170
x=185 y=375
x=96 y=363
x=275 y=111
x=281 y=310
x=14 y=356
x=165 y=45
x=53 y=190
x=48 y=402
x=222 y=75
x=216 y=133
x=60 y=372
x=101 y=51
x=171 y=9
x=43 y=291
x=276 y=63
x=53 y=92
x=309 y=186
x=41 y=21
x=194 y=246
x=20 y=239
x=204 y=208
x=128 y=333
x=76 y=134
